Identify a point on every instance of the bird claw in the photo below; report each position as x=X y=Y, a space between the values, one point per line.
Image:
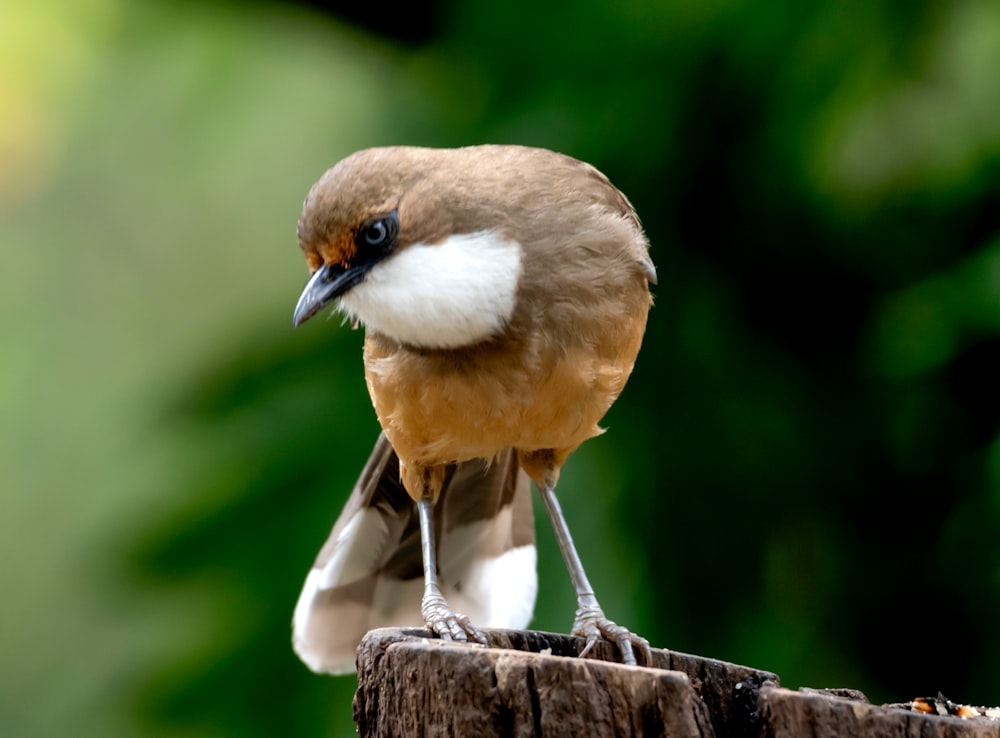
x=591 y=624
x=449 y=625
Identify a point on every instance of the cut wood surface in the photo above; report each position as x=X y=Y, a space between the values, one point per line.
x=530 y=683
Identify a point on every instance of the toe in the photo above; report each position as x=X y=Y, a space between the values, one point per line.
x=456 y=633
x=591 y=640
x=625 y=646
x=643 y=645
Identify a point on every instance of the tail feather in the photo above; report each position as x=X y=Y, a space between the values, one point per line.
x=369 y=573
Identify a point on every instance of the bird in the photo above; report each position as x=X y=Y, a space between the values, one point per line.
x=504 y=292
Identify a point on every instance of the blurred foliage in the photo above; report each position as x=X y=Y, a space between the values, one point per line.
x=803 y=474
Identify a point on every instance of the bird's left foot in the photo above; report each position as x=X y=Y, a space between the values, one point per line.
x=591 y=624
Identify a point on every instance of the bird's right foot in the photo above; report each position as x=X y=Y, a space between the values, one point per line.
x=447 y=624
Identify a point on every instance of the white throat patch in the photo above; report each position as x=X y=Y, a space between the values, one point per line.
x=454 y=293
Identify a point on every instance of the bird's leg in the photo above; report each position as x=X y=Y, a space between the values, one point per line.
x=590 y=622
x=440 y=618
x=424 y=484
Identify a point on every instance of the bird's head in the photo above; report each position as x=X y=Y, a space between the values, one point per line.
x=403 y=241
x=436 y=248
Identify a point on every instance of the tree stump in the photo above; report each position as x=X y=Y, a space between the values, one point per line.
x=530 y=683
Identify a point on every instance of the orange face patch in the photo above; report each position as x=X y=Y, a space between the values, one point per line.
x=340 y=251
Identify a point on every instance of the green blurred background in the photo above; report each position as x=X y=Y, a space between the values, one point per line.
x=803 y=474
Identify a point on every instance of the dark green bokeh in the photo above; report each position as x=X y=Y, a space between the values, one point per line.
x=803 y=474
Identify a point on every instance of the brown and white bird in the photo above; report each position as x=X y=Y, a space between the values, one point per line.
x=504 y=292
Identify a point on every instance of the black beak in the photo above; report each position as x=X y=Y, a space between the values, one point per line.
x=327 y=284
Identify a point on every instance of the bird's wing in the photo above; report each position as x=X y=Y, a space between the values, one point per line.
x=369 y=573
x=605 y=193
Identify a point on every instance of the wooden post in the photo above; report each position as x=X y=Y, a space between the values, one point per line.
x=530 y=683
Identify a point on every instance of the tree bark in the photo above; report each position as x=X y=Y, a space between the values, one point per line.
x=530 y=683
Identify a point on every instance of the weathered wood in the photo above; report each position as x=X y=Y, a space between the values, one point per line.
x=533 y=684
x=530 y=683
x=807 y=713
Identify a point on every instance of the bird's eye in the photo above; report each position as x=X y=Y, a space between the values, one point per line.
x=375 y=233
x=378 y=233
